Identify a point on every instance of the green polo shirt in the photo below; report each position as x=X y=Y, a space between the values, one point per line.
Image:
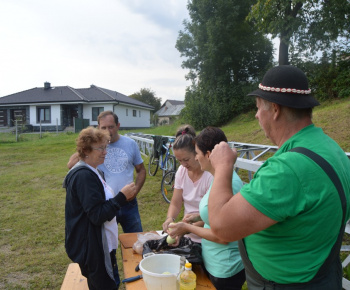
x=294 y=191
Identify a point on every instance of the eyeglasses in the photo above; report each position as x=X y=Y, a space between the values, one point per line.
x=101 y=149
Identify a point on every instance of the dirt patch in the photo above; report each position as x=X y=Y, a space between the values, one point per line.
x=18 y=279
x=5 y=249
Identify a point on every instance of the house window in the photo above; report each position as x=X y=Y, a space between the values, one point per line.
x=134 y=113
x=127 y=112
x=140 y=114
x=43 y=114
x=95 y=112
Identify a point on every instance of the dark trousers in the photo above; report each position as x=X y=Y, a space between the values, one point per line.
x=234 y=282
x=332 y=280
x=95 y=283
x=115 y=267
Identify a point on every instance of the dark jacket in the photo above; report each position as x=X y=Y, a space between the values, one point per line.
x=158 y=148
x=85 y=214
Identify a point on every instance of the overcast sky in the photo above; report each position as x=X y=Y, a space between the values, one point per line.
x=121 y=45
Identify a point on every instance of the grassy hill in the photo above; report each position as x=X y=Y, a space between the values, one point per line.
x=32 y=199
x=332 y=116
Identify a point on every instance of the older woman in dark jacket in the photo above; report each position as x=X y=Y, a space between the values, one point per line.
x=91 y=205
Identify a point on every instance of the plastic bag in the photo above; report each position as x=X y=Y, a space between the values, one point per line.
x=141 y=239
x=191 y=250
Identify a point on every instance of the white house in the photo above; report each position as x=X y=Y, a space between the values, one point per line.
x=169 y=111
x=54 y=107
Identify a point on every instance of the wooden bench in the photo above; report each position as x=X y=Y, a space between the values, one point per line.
x=73 y=279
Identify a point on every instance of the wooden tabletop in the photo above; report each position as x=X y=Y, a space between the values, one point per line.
x=132 y=259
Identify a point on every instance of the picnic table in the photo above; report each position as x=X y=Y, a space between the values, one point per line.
x=132 y=259
x=74 y=280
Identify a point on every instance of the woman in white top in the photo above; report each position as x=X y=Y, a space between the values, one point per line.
x=221 y=259
x=191 y=182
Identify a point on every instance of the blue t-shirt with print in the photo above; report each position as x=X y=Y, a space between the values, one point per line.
x=121 y=159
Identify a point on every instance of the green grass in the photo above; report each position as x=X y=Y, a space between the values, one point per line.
x=32 y=199
x=32 y=210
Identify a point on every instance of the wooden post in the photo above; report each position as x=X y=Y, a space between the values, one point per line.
x=16 y=131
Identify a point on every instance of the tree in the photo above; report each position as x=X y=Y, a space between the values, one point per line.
x=329 y=75
x=224 y=54
x=312 y=24
x=149 y=97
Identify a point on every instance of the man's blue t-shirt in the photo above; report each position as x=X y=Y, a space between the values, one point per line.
x=118 y=167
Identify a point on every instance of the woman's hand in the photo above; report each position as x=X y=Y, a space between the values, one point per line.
x=166 y=224
x=192 y=218
x=178 y=229
x=129 y=190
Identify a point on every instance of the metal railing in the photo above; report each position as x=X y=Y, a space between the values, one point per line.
x=250 y=156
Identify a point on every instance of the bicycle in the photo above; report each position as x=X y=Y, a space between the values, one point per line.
x=163 y=159
x=167 y=185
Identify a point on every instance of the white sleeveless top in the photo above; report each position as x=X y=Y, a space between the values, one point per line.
x=111 y=226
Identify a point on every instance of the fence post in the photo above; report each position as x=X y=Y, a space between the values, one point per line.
x=40 y=130
x=16 y=131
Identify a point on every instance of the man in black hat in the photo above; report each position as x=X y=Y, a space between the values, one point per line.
x=293 y=213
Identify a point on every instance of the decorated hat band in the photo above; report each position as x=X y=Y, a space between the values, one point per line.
x=284 y=90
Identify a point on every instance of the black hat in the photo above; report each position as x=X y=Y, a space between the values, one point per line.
x=286 y=85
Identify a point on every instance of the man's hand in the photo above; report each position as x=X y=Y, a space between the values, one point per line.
x=223 y=155
x=140 y=177
x=73 y=160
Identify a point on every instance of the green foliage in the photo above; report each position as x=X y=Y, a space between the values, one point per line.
x=312 y=25
x=149 y=97
x=215 y=108
x=330 y=76
x=342 y=81
x=224 y=54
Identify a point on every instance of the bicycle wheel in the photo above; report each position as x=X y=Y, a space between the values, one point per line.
x=152 y=165
x=170 y=164
x=167 y=185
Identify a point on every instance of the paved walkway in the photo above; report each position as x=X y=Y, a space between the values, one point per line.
x=7 y=129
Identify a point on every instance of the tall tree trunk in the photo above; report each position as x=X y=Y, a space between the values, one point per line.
x=286 y=33
x=283 y=52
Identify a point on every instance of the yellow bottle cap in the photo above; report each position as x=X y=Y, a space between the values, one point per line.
x=188 y=265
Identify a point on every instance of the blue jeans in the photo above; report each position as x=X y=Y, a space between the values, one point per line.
x=129 y=217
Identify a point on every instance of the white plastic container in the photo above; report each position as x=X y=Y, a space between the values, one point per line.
x=152 y=268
